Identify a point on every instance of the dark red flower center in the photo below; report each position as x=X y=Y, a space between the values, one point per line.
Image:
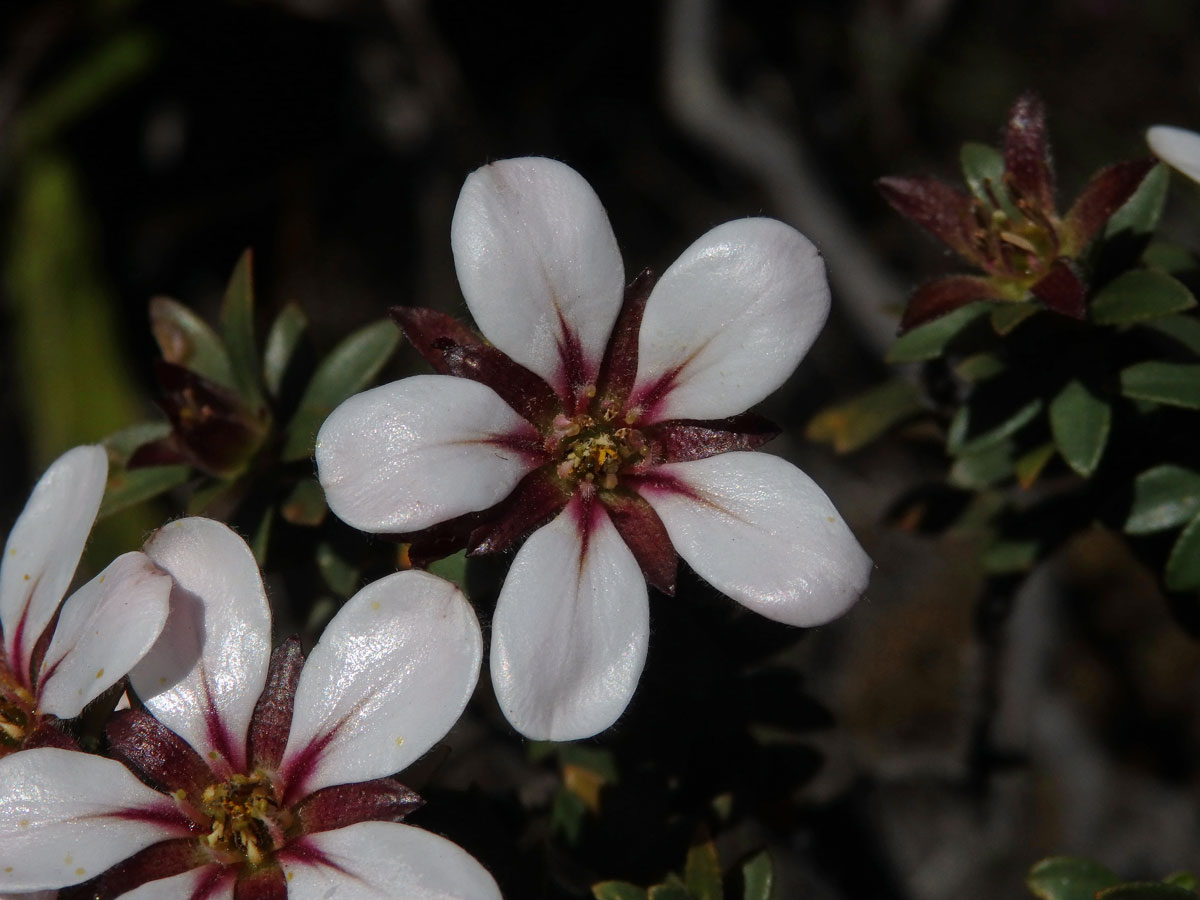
x=594 y=451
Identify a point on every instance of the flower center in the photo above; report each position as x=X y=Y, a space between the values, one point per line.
x=596 y=453
x=1020 y=246
x=247 y=822
x=17 y=713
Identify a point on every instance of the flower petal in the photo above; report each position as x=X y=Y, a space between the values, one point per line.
x=571 y=627
x=104 y=628
x=761 y=531
x=729 y=321
x=1177 y=147
x=416 y=452
x=203 y=676
x=382 y=859
x=54 y=804
x=44 y=547
x=539 y=267
x=390 y=675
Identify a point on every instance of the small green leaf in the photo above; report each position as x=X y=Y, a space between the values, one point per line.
x=186 y=340
x=929 y=341
x=1066 y=878
x=261 y=540
x=1010 y=557
x=1170 y=258
x=983 y=468
x=1138 y=296
x=1080 y=423
x=1175 y=384
x=961 y=441
x=567 y=815
x=1185 y=880
x=757 y=877
x=305 y=505
x=237 y=331
x=453 y=568
x=669 y=891
x=1183 y=565
x=1184 y=329
x=1139 y=214
x=1007 y=317
x=1029 y=466
x=617 y=890
x=702 y=872
x=121 y=444
x=856 y=422
x=1149 y=890
x=1163 y=497
x=282 y=341
x=349 y=367
x=127 y=489
x=339 y=574
x=979 y=367
x=983 y=169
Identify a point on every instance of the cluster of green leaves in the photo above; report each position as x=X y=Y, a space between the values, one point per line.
x=238 y=440
x=1048 y=424
x=1067 y=878
x=701 y=879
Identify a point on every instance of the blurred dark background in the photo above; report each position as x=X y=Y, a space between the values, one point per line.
x=144 y=145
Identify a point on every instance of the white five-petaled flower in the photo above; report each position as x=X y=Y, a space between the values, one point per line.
x=1177 y=147
x=608 y=421
x=270 y=775
x=58 y=656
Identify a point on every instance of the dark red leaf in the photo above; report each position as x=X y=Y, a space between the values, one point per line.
x=382 y=800
x=261 y=884
x=645 y=535
x=1027 y=166
x=944 y=295
x=164 y=452
x=943 y=211
x=619 y=367
x=426 y=329
x=1062 y=291
x=1104 y=195
x=212 y=428
x=161 y=860
x=537 y=498
x=157 y=753
x=686 y=439
x=272 y=718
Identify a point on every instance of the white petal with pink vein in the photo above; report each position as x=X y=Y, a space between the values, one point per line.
x=1176 y=147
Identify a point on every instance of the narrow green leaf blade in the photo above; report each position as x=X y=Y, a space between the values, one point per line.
x=1080 y=423
x=929 y=341
x=1067 y=878
x=305 y=504
x=237 y=330
x=282 y=341
x=350 y=367
x=1183 y=329
x=1139 y=214
x=1183 y=565
x=962 y=440
x=1007 y=317
x=757 y=876
x=1175 y=384
x=1185 y=880
x=668 y=891
x=126 y=489
x=702 y=872
x=186 y=340
x=856 y=422
x=1148 y=890
x=617 y=890
x=1163 y=497
x=1138 y=296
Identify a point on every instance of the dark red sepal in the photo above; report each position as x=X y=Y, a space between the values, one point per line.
x=644 y=533
x=47 y=734
x=272 y=719
x=163 y=452
x=944 y=295
x=262 y=884
x=1104 y=195
x=437 y=541
x=161 y=860
x=619 y=366
x=681 y=440
x=381 y=800
x=157 y=753
x=943 y=211
x=1062 y=291
x=536 y=499
x=1027 y=166
x=452 y=349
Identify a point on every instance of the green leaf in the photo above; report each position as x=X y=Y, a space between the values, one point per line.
x=567 y=815
x=617 y=890
x=237 y=331
x=1009 y=557
x=261 y=540
x=757 y=877
x=1175 y=384
x=960 y=440
x=983 y=169
x=1080 y=423
x=929 y=341
x=121 y=443
x=1149 y=890
x=186 y=340
x=1184 y=329
x=1163 y=497
x=1029 y=466
x=453 y=568
x=339 y=574
x=1067 y=878
x=669 y=891
x=983 y=468
x=979 y=367
x=1139 y=214
x=1138 y=296
x=702 y=872
x=305 y=504
x=1006 y=317
x=1170 y=258
x=349 y=367
x=1185 y=880
x=126 y=489
x=856 y=422
x=282 y=341
x=1183 y=565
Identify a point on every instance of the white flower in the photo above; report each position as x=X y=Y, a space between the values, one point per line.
x=603 y=418
x=55 y=667
x=270 y=781
x=1177 y=147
